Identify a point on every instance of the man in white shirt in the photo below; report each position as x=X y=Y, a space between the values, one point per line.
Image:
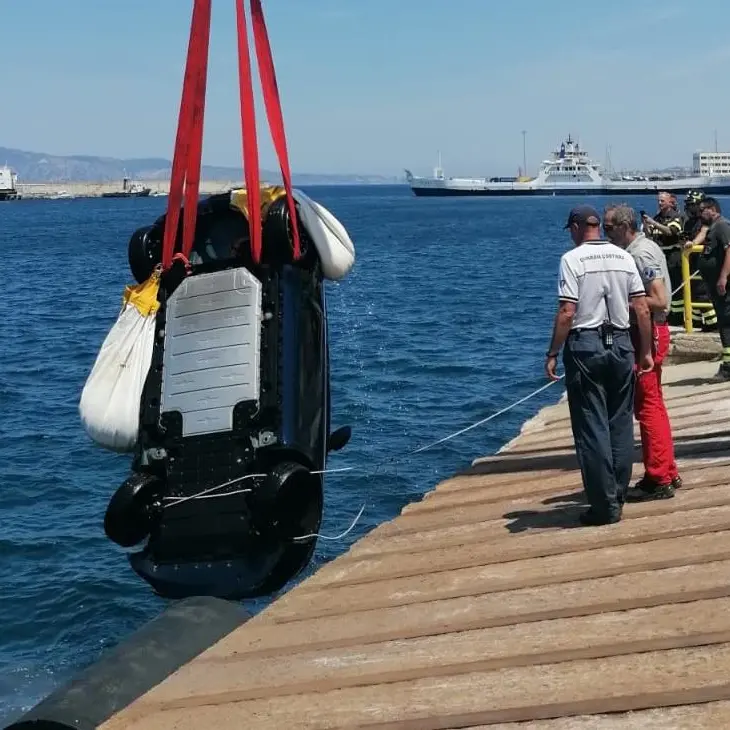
x=661 y=477
x=598 y=283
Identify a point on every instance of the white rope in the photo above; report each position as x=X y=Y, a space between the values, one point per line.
x=682 y=284
x=200 y=495
x=176 y=500
x=420 y=450
x=333 y=537
x=488 y=418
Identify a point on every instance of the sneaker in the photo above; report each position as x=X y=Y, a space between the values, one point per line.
x=589 y=518
x=645 y=490
x=648 y=484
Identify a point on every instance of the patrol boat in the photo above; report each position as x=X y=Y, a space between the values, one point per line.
x=8 y=184
x=569 y=171
x=129 y=190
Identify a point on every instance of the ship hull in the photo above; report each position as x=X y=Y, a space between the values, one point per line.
x=137 y=194
x=597 y=191
x=9 y=195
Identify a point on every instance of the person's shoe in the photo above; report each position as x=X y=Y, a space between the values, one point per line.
x=723 y=372
x=645 y=490
x=589 y=518
x=647 y=484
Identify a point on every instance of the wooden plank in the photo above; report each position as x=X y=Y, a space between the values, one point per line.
x=615 y=684
x=711 y=415
x=644 y=589
x=234 y=679
x=507 y=462
x=714 y=493
x=500 y=490
x=702 y=409
x=706 y=716
x=674 y=397
x=332 y=600
x=459 y=481
x=707 y=422
x=411 y=554
x=513 y=483
x=437 y=500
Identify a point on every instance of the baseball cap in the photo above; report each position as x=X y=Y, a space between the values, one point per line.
x=583 y=214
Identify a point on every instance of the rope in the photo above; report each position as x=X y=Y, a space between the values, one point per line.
x=421 y=450
x=682 y=284
x=200 y=495
x=436 y=443
x=212 y=492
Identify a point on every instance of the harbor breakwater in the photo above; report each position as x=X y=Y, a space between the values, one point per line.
x=97 y=189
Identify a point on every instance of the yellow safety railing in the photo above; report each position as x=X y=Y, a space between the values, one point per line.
x=687 y=277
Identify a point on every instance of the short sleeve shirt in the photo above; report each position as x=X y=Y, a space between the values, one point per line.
x=600 y=278
x=652 y=265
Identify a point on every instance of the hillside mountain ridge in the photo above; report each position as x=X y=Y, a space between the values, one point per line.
x=40 y=167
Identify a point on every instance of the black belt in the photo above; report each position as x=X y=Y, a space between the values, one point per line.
x=600 y=329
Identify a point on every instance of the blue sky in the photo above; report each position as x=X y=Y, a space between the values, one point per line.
x=372 y=86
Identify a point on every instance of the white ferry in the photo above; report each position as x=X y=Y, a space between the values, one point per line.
x=569 y=172
x=8 y=184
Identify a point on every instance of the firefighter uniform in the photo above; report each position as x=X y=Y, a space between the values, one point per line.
x=711 y=260
x=703 y=312
x=671 y=246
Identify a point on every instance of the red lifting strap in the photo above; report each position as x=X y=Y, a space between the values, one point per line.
x=273 y=109
x=248 y=134
x=192 y=106
x=185 y=176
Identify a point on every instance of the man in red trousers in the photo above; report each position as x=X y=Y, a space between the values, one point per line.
x=660 y=469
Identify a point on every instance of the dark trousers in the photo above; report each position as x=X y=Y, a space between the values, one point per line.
x=600 y=386
x=674 y=267
x=722 y=309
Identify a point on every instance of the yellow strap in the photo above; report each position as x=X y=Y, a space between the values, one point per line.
x=269 y=194
x=144 y=295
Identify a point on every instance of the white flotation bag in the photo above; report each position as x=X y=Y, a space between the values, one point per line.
x=334 y=246
x=110 y=401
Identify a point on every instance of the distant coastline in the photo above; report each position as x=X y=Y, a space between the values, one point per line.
x=60 y=170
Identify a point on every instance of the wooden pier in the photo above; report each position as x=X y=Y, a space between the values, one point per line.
x=486 y=605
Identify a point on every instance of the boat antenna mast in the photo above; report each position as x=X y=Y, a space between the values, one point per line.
x=438 y=171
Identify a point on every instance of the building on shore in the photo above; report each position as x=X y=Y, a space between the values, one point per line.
x=711 y=163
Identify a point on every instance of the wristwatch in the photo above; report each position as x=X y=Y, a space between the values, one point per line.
x=551 y=354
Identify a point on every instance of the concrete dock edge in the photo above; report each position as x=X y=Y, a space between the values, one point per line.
x=139 y=663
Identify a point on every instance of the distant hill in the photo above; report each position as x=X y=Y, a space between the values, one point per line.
x=41 y=167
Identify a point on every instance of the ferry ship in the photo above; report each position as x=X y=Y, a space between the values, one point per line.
x=8 y=184
x=569 y=172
